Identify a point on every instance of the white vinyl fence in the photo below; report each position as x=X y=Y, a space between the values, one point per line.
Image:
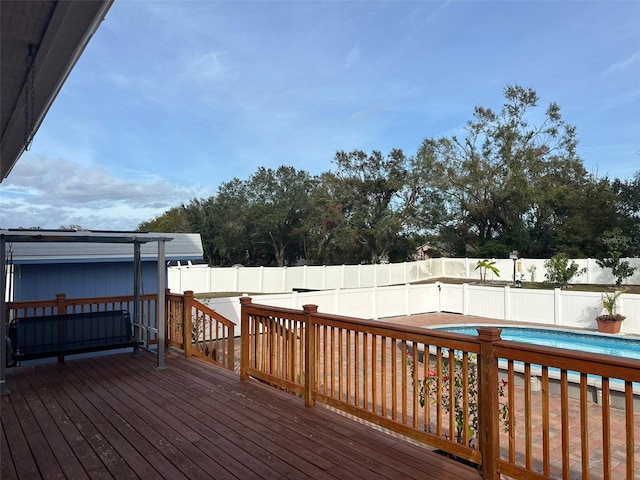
x=557 y=307
x=203 y=279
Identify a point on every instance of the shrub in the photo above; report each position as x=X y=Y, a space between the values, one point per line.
x=453 y=396
x=616 y=244
x=560 y=271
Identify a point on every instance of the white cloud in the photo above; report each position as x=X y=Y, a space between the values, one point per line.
x=352 y=58
x=48 y=193
x=207 y=67
x=623 y=64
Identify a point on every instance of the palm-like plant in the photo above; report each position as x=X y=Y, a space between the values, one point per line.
x=484 y=266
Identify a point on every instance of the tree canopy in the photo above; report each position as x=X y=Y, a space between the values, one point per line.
x=513 y=181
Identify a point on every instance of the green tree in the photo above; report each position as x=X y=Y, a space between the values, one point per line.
x=484 y=266
x=278 y=206
x=627 y=196
x=376 y=197
x=173 y=220
x=616 y=245
x=489 y=179
x=560 y=270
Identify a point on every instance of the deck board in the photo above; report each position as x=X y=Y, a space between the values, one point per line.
x=116 y=416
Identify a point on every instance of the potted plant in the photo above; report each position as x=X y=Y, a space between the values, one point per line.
x=611 y=321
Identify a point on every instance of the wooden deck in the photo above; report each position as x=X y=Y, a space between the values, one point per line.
x=115 y=416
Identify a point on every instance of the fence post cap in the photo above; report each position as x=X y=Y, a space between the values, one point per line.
x=489 y=334
x=245 y=300
x=310 y=308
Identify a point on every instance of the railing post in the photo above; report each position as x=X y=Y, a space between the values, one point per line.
x=244 y=337
x=61 y=304
x=488 y=403
x=168 y=313
x=231 y=350
x=309 y=355
x=187 y=307
x=61 y=309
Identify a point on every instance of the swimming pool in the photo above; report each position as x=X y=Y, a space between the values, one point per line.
x=586 y=342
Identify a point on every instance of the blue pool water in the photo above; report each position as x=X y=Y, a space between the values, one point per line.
x=619 y=346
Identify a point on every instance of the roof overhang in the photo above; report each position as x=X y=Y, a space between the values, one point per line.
x=56 y=33
x=84 y=236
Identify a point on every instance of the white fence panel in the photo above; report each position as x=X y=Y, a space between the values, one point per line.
x=423 y=298
x=484 y=301
x=271 y=280
x=367 y=276
x=579 y=309
x=222 y=280
x=391 y=301
x=351 y=276
x=530 y=305
x=557 y=307
x=630 y=307
x=249 y=279
x=454 y=268
x=451 y=298
x=333 y=277
x=275 y=279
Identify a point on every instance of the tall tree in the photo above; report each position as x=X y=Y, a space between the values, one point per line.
x=278 y=206
x=627 y=194
x=376 y=199
x=173 y=220
x=489 y=178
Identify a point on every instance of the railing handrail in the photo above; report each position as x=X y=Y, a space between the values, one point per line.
x=201 y=307
x=401 y=332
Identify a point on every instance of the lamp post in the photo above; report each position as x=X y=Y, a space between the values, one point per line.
x=514 y=256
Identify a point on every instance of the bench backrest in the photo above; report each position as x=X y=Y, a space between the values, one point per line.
x=42 y=336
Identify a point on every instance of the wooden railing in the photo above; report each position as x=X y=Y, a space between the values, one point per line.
x=457 y=393
x=209 y=335
x=62 y=305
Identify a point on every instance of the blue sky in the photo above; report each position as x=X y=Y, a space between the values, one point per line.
x=170 y=99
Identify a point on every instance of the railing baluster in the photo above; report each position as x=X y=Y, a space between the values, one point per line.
x=383 y=376
x=584 y=426
x=439 y=391
x=527 y=416
x=332 y=359
x=325 y=373
x=546 y=461
x=465 y=396
x=356 y=352
x=564 y=415
x=340 y=364
x=606 y=430
x=630 y=425
x=394 y=380
x=374 y=374
x=452 y=394
x=426 y=366
x=348 y=367
x=414 y=381
x=403 y=356
x=365 y=371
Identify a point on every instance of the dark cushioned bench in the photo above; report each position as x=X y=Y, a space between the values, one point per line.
x=60 y=335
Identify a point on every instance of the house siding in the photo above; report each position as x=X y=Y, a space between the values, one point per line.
x=80 y=280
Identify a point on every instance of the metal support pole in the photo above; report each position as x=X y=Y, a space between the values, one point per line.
x=3 y=318
x=160 y=306
x=137 y=304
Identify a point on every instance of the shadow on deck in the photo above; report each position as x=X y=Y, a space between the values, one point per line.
x=116 y=416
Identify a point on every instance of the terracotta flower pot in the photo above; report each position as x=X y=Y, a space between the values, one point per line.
x=609 y=323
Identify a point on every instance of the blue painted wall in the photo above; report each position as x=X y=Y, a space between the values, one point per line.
x=81 y=280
